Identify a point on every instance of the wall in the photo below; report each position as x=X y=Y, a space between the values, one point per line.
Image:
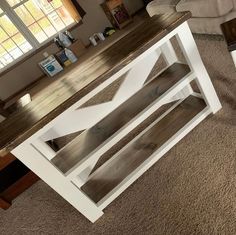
x=133 y=5
x=94 y=21
x=27 y=72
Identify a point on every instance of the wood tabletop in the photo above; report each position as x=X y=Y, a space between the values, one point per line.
x=82 y=79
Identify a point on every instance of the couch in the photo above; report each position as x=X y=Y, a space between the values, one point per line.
x=207 y=15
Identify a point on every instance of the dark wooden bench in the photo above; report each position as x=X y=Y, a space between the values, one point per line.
x=229 y=31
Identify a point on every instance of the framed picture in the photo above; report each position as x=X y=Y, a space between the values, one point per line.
x=117 y=13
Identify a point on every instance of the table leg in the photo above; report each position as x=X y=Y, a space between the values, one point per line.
x=56 y=180
x=189 y=48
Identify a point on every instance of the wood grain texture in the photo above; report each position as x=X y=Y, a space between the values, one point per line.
x=74 y=84
x=6 y=160
x=229 y=31
x=129 y=137
x=19 y=186
x=4 y=204
x=107 y=177
x=90 y=139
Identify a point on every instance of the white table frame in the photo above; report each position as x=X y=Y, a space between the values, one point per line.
x=36 y=155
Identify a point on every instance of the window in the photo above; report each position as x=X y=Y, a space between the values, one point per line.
x=26 y=24
x=12 y=43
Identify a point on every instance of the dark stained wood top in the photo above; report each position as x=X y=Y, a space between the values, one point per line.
x=90 y=139
x=80 y=80
x=110 y=175
x=229 y=31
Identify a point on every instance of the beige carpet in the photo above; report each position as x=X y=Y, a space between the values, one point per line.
x=191 y=190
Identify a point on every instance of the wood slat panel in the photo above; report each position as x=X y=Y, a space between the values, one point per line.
x=80 y=79
x=109 y=176
x=90 y=139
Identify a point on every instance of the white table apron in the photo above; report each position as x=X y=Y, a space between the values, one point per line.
x=76 y=119
x=233 y=54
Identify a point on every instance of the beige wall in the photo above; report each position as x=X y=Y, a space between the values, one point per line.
x=94 y=21
x=133 y=5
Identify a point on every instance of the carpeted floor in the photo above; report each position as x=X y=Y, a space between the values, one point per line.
x=191 y=190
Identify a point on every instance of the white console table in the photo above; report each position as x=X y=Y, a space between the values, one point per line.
x=167 y=99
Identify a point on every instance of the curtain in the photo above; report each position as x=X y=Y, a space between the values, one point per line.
x=75 y=10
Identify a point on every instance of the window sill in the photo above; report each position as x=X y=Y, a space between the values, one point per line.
x=34 y=52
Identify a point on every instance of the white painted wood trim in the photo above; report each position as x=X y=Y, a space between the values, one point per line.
x=168 y=53
x=47 y=172
x=78 y=120
x=189 y=48
x=170 y=57
x=198 y=95
x=44 y=149
x=136 y=77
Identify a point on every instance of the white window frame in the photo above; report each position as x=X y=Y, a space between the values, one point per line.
x=22 y=28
